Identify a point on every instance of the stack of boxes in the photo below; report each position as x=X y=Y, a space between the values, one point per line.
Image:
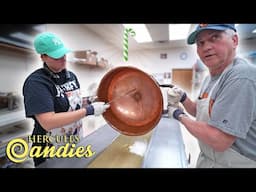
x=89 y=57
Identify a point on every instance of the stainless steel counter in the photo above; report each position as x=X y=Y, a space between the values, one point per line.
x=99 y=140
x=165 y=149
x=9 y=118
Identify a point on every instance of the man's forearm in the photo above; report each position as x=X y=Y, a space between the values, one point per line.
x=190 y=106
x=208 y=134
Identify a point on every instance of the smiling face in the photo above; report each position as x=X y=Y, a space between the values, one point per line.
x=216 y=49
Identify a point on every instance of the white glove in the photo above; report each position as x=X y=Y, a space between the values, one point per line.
x=175 y=95
x=91 y=99
x=99 y=108
x=174 y=112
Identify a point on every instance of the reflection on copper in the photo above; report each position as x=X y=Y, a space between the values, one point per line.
x=136 y=100
x=120 y=96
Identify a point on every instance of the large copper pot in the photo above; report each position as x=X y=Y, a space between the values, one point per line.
x=136 y=101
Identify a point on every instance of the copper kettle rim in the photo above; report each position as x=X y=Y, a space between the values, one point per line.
x=137 y=100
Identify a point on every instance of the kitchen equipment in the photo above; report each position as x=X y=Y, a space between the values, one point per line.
x=138 y=100
x=8 y=100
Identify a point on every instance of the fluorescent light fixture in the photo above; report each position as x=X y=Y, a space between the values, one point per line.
x=254 y=31
x=178 y=31
x=40 y=28
x=22 y=36
x=141 y=32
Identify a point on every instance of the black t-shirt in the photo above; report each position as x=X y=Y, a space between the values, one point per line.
x=45 y=91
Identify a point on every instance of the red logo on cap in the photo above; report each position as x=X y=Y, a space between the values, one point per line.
x=203 y=25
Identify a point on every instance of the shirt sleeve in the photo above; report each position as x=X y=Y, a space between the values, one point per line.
x=38 y=98
x=234 y=107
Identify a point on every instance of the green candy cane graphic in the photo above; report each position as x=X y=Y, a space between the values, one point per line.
x=127 y=31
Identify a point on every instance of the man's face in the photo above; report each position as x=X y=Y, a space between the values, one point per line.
x=216 y=48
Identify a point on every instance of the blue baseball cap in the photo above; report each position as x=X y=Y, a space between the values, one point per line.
x=200 y=27
x=50 y=44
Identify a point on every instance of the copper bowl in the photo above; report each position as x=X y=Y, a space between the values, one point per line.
x=136 y=101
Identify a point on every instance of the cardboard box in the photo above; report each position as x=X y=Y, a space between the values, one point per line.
x=82 y=54
x=102 y=63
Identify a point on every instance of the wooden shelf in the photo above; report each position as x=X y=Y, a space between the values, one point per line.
x=15 y=48
x=88 y=57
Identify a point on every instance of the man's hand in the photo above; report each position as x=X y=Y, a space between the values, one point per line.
x=175 y=95
x=174 y=112
x=96 y=108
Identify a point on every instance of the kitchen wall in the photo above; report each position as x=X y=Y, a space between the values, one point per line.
x=77 y=37
x=13 y=69
x=16 y=65
x=150 y=61
x=246 y=46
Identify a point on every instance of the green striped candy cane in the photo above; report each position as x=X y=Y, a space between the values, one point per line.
x=127 y=31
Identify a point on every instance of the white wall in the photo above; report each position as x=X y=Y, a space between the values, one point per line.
x=246 y=46
x=14 y=68
x=16 y=65
x=77 y=37
x=150 y=61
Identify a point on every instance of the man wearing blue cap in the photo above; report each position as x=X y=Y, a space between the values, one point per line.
x=52 y=96
x=225 y=111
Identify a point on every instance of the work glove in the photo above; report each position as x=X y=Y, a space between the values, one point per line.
x=96 y=108
x=174 y=112
x=175 y=95
x=91 y=99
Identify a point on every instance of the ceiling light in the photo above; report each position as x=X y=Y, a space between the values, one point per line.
x=40 y=28
x=178 y=31
x=141 y=32
x=254 y=31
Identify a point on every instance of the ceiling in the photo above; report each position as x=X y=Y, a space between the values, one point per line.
x=245 y=31
x=113 y=33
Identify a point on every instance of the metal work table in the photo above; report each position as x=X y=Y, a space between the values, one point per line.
x=9 y=118
x=99 y=140
x=165 y=148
